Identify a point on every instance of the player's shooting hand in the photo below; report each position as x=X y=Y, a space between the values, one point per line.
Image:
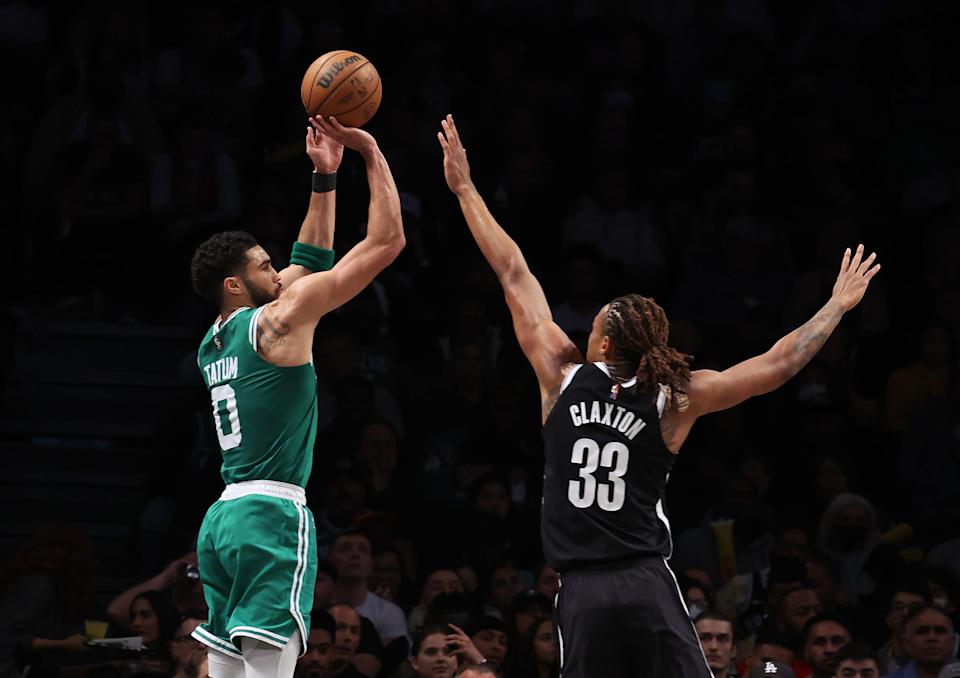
x=456 y=169
x=325 y=151
x=855 y=275
x=351 y=137
x=464 y=647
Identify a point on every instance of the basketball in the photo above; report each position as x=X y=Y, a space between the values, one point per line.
x=343 y=84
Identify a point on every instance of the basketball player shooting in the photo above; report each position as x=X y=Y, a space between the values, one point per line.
x=612 y=427
x=257 y=546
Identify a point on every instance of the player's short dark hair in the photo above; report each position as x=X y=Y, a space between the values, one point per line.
x=825 y=617
x=858 y=651
x=323 y=621
x=218 y=257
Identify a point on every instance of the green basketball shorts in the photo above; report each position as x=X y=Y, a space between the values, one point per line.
x=257 y=555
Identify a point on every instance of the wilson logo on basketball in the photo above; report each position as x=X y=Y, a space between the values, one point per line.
x=327 y=78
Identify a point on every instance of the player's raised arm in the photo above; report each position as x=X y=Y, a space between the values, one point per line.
x=711 y=391
x=313 y=250
x=546 y=346
x=314 y=295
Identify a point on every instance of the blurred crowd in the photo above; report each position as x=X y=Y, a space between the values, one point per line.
x=717 y=156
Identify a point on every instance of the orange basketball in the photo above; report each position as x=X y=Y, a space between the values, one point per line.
x=343 y=84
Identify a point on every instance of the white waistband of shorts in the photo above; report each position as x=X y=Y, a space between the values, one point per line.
x=269 y=488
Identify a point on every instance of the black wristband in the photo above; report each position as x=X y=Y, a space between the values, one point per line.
x=323 y=183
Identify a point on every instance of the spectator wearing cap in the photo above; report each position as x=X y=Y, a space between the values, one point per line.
x=857 y=660
x=773 y=669
x=718 y=641
x=489 y=635
x=929 y=639
x=527 y=606
x=824 y=636
x=769 y=644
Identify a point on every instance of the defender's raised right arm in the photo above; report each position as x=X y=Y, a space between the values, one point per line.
x=546 y=346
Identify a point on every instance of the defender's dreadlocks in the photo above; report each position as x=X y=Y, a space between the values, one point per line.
x=639 y=329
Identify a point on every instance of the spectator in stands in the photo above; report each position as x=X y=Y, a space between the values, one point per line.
x=929 y=639
x=343 y=498
x=180 y=579
x=893 y=655
x=377 y=452
x=824 y=636
x=850 y=533
x=716 y=632
x=769 y=644
x=547 y=580
x=350 y=553
x=503 y=585
x=536 y=655
x=316 y=661
x=389 y=580
x=857 y=660
x=368 y=655
x=346 y=641
x=44 y=592
x=489 y=635
x=189 y=656
x=796 y=608
x=526 y=607
x=153 y=617
x=437 y=582
x=431 y=658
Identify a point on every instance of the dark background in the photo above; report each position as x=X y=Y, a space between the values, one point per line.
x=719 y=156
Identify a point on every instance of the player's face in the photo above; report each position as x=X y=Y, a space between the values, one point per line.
x=262 y=280
x=316 y=662
x=716 y=638
x=433 y=660
x=823 y=642
x=854 y=668
x=594 y=341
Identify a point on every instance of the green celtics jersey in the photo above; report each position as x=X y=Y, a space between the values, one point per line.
x=265 y=416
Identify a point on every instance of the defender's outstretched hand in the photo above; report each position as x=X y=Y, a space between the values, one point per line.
x=456 y=169
x=351 y=137
x=855 y=275
x=325 y=151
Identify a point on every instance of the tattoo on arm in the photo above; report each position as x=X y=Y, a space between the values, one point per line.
x=271 y=334
x=811 y=336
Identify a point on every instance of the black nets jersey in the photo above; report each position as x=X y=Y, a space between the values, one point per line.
x=605 y=472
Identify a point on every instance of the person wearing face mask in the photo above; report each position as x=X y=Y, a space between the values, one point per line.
x=849 y=533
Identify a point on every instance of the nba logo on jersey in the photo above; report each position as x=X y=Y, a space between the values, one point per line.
x=218 y=342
